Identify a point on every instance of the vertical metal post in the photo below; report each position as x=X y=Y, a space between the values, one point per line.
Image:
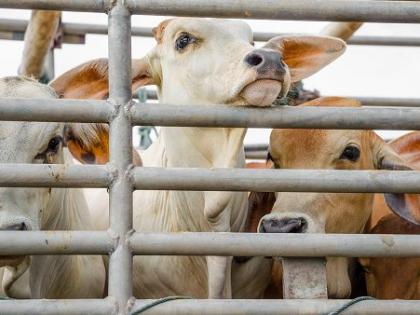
x=121 y=192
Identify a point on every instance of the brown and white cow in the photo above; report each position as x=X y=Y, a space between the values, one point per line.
x=41 y=208
x=395 y=278
x=287 y=212
x=200 y=62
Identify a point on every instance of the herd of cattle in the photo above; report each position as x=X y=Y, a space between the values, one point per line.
x=204 y=61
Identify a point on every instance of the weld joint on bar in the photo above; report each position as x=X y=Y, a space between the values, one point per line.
x=114 y=303
x=114 y=239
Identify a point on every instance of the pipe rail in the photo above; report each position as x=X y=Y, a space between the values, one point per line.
x=74 y=33
x=210 y=244
x=396 y=118
x=333 y=10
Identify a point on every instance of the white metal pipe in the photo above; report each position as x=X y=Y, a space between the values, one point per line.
x=397 y=118
x=73 y=30
x=275 y=244
x=199 y=179
x=332 y=10
x=55 y=243
x=63 y=5
x=57 y=307
x=277 y=307
x=54 y=110
x=55 y=175
x=120 y=284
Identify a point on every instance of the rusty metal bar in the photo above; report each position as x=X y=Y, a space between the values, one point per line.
x=55 y=243
x=275 y=244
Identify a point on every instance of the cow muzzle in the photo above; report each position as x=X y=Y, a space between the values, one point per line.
x=271 y=74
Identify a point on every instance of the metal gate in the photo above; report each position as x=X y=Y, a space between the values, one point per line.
x=121 y=243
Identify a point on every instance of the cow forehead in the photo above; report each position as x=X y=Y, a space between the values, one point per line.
x=312 y=141
x=217 y=28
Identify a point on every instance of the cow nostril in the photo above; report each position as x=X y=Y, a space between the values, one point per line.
x=285 y=225
x=254 y=59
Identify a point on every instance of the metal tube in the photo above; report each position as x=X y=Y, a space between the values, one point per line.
x=333 y=10
x=388 y=101
x=57 y=307
x=400 y=118
x=199 y=179
x=121 y=157
x=55 y=243
x=275 y=245
x=63 y=5
x=57 y=175
x=277 y=307
x=72 y=30
x=54 y=110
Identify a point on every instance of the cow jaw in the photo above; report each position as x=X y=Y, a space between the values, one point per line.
x=261 y=92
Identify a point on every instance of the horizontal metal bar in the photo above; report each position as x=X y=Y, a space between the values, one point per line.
x=277 y=307
x=55 y=243
x=275 y=244
x=55 y=110
x=73 y=30
x=57 y=175
x=388 y=101
x=256 y=155
x=333 y=10
x=256 y=147
x=59 y=5
x=199 y=179
x=57 y=307
x=401 y=118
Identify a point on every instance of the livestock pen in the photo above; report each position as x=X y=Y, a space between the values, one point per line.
x=120 y=242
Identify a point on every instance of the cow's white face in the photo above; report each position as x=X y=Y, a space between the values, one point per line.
x=211 y=61
x=214 y=61
x=30 y=143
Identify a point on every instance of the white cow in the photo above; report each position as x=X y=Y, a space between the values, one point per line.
x=200 y=62
x=43 y=208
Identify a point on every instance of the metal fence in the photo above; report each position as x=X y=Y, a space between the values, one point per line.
x=120 y=243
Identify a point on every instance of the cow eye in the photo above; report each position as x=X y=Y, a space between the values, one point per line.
x=184 y=40
x=51 y=150
x=54 y=144
x=351 y=153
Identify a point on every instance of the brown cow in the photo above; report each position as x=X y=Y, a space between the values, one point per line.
x=393 y=278
x=286 y=212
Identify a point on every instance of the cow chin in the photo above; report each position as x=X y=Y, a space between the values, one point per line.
x=262 y=92
x=11 y=261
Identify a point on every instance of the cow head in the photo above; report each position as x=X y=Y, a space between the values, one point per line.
x=209 y=61
x=31 y=143
x=327 y=149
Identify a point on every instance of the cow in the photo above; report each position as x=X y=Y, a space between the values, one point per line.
x=32 y=209
x=395 y=278
x=200 y=62
x=286 y=212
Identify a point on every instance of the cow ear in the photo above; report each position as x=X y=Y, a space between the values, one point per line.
x=89 y=144
x=90 y=80
x=306 y=55
x=407 y=206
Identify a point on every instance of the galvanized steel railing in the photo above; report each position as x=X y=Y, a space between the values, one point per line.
x=120 y=243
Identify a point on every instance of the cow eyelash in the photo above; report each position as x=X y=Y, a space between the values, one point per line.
x=52 y=149
x=184 y=40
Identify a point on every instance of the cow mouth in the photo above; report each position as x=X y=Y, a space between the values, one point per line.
x=262 y=92
x=11 y=261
